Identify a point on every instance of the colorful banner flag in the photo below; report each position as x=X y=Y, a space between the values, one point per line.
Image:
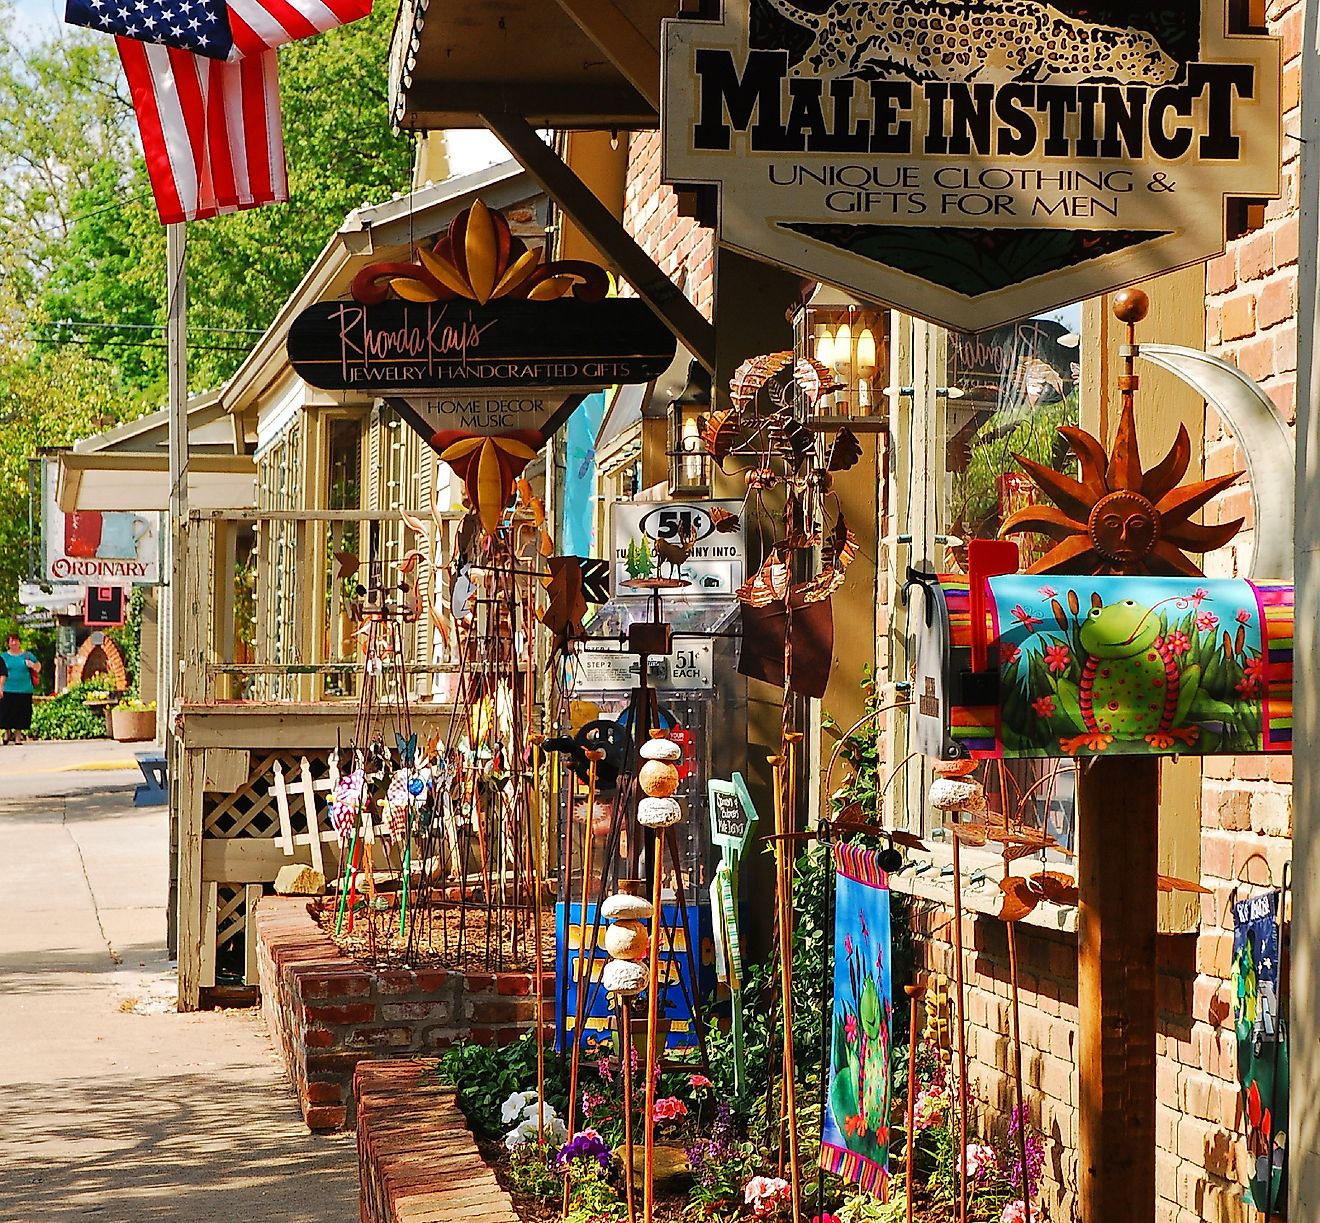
x=855 y=1135
x=1262 y=1049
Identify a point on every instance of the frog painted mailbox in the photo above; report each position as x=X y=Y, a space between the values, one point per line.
x=1105 y=665
x=1113 y=643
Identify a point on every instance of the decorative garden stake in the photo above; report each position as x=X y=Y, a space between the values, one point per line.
x=586 y=954
x=658 y=779
x=959 y=796
x=914 y=993
x=625 y=977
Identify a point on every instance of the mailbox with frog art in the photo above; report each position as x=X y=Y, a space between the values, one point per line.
x=1113 y=642
x=1102 y=665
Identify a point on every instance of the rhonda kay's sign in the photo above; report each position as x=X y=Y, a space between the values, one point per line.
x=461 y=347
x=972 y=163
x=481 y=335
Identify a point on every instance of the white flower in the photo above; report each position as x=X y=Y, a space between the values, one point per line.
x=516 y=1105
x=527 y=1130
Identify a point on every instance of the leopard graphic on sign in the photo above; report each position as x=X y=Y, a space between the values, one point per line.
x=1021 y=39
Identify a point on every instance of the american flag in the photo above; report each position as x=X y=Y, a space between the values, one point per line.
x=205 y=89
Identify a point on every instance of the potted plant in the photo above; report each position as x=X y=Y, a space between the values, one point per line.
x=133 y=720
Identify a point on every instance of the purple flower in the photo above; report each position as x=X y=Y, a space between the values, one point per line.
x=707 y=1156
x=1035 y=1148
x=586 y=1145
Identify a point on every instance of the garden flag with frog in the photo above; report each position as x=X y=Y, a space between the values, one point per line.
x=855 y=1133
x=1262 y=1048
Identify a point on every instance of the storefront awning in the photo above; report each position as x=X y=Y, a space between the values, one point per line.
x=452 y=64
x=136 y=482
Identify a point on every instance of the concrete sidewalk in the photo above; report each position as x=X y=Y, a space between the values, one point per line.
x=115 y=1106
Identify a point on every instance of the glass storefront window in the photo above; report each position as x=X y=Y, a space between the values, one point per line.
x=1008 y=391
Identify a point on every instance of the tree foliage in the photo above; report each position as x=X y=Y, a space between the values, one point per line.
x=241 y=267
x=82 y=253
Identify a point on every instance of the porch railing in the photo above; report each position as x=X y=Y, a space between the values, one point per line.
x=268 y=602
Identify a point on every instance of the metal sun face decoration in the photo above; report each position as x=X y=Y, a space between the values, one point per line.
x=1118 y=518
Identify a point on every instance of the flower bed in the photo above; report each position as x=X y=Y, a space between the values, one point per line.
x=328 y=1012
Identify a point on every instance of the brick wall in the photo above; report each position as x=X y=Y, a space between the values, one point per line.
x=328 y=1012
x=682 y=249
x=417 y=1162
x=1246 y=818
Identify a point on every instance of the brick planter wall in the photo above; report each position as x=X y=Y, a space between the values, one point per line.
x=327 y=1012
x=417 y=1162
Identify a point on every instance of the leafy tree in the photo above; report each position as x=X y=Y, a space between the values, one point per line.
x=64 y=114
x=82 y=253
x=241 y=267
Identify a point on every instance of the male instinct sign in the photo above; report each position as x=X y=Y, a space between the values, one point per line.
x=973 y=163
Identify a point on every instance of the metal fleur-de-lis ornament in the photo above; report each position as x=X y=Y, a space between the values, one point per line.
x=1117 y=517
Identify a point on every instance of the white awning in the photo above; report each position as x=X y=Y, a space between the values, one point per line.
x=137 y=482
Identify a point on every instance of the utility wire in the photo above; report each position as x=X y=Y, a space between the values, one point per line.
x=80 y=324
x=141 y=344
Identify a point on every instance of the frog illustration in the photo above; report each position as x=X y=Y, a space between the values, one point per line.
x=1131 y=685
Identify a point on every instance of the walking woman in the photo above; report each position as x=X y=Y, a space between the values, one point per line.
x=21 y=671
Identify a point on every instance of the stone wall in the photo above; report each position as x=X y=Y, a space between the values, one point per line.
x=327 y=1012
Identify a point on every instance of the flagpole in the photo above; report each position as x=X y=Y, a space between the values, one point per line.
x=171 y=617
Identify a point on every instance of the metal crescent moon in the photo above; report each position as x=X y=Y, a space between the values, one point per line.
x=1265 y=441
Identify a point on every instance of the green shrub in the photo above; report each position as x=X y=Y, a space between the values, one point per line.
x=67 y=716
x=486 y=1076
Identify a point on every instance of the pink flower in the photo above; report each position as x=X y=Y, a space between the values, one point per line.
x=670 y=1109
x=1057 y=658
x=1178 y=642
x=591 y=1101
x=699 y=1082
x=1243 y=616
x=767 y=1195
x=1044 y=706
x=825 y=1218
x=850 y=1029
x=978 y=1159
x=930 y=1108
x=1255 y=668
x=1206 y=621
x=1247 y=686
x=1014 y=1212
x=1010 y=654
x=605 y=1070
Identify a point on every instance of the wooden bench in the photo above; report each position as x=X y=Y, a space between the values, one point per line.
x=154 y=788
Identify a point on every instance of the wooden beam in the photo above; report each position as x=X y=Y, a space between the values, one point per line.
x=621 y=42
x=614 y=242
x=191 y=894
x=1116 y=974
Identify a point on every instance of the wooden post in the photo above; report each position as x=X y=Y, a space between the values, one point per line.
x=1117 y=864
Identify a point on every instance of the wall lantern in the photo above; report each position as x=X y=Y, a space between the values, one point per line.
x=853 y=342
x=689 y=464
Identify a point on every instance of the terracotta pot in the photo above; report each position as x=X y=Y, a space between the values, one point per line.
x=132 y=725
